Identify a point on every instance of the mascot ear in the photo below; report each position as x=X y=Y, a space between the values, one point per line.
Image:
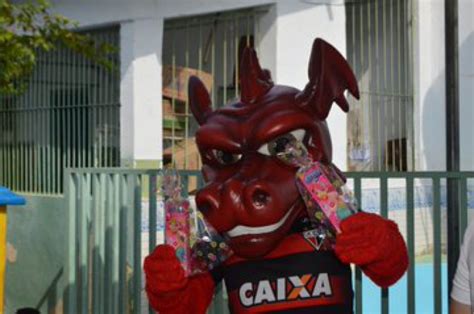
x=199 y=100
x=329 y=76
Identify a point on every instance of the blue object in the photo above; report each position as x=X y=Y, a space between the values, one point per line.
x=7 y=197
x=398 y=293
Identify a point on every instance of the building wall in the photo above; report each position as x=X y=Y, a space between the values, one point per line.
x=141 y=118
x=429 y=53
x=295 y=24
x=283 y=40
x=429 y=71
x=466 y=81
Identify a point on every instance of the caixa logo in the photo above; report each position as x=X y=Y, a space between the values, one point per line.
x=285 y=289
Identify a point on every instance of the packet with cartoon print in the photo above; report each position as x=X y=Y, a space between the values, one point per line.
x=327 y=198
x=198 y=246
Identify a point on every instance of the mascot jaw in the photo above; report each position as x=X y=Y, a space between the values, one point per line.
x=250 y=244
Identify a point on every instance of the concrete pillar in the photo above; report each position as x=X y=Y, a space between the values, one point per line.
x=466 y=82
x=140 y=94
x=429 y=87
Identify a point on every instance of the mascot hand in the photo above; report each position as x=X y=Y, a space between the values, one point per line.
x=169 y=290
x=374 y=244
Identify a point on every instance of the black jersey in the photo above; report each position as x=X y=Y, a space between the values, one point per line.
x=294 y=278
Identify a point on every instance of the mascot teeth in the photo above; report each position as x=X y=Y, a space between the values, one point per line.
x=244 y=230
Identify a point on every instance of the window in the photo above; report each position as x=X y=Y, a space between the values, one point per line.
x=380 y=124
x=68 y=117
x=208 y=46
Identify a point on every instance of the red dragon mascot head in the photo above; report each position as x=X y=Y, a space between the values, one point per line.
x=251 y=195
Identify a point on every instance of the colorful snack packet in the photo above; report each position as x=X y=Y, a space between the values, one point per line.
x=177 y=231
x=210 y=248
x=199 y=247
x=177 y=219
x=327 y=199
x=326 y=203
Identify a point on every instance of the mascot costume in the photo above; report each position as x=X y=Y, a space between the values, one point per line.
x=251 y=197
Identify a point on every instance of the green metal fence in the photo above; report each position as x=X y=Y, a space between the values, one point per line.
x=68 y=117
x=111 y=215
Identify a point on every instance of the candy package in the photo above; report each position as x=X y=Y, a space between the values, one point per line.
x=210 y=248
x=177 y=231
x=327 y=199
x=198 y=246
x=177 y=219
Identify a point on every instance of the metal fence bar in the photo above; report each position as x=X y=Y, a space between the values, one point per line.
x=137 y=254
x=173 y=100
x=213 y=63
x=384 y=84
x=358 y=272
x=71 y=266
x=384 y=297
x=108 y=298
x=102 y=239
x=186 y=105
x=96 y=266
x=84 y=218
x=122 y=254
x=462 y=208
x=152 y=217
x=152 y=211
x=401 y=161
x=392 y=83
x=115 y=243
x=410 y=244
x=437 y=246
x=185 y=183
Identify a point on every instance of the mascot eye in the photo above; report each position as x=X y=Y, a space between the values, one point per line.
x=226 y=158
x=278 y=145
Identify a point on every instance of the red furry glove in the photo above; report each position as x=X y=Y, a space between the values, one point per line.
x=374 y=244
x=169 y=291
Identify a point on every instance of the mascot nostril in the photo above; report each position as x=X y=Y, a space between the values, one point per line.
x=206 y=202
x=251 y=197
x=260 y=198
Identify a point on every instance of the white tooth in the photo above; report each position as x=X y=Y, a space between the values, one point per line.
x=244 y=230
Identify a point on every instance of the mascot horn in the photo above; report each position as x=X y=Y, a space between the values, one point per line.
x=251 y=197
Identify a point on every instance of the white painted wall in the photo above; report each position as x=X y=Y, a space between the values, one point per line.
x=298 y=24
x=466 y=81
x=429 y=71
x=140 y=92
x=430 y=85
